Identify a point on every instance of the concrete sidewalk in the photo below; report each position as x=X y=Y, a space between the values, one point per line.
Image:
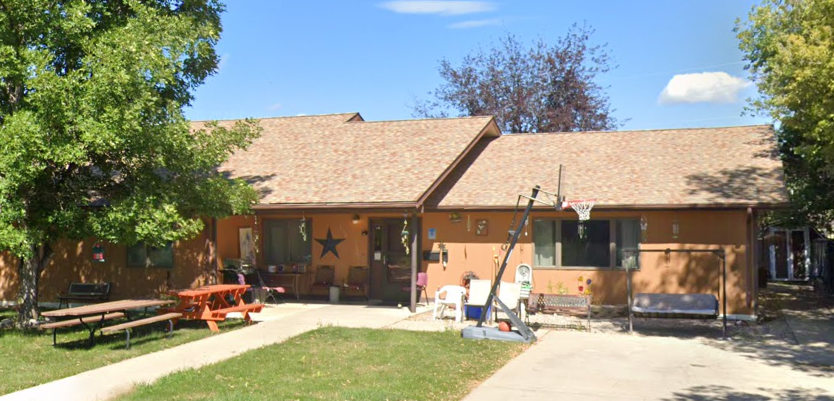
x=809 y=316
x=280 y=323
x=581 y=366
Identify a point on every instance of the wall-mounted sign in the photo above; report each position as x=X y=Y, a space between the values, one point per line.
x=432 y=233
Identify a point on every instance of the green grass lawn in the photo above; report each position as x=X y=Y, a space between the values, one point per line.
x=29 y=359
x=334 y=363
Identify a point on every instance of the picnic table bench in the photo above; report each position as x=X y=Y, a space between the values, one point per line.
x=170 y=317
x=85 y=292
x=92 y=317
x=212 y=303
x=560 y=303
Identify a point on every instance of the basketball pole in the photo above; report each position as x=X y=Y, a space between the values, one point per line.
x=531 y=200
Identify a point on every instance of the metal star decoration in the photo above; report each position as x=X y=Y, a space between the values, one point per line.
x=329 y=244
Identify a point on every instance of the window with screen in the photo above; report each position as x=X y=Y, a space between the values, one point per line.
x=558 y=244
x=142 y=255
x=283 y=242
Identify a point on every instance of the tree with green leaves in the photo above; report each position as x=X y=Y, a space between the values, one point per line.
x=789 y=49
x=93 y=140
x=542 y=88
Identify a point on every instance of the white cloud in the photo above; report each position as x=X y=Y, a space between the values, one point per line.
x=445 y=8
x=275 y=107
x=704 y=87
x=475 y=23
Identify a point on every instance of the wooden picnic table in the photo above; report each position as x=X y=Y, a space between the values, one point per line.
x=93 y=316
x=211 y=303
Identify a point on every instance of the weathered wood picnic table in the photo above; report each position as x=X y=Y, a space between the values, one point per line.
x=92 y=317
x=212 y=303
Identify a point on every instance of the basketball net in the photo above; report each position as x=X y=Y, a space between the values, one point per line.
x=583 y=210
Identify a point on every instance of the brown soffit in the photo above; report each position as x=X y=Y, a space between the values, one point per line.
x=332 y=206
x=491 y=125
x=614 y=208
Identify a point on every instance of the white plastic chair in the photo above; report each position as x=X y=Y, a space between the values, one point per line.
x=510 y=294
x=454 y=296
x=478 y=294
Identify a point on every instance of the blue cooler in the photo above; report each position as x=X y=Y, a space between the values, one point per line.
x=474 y=312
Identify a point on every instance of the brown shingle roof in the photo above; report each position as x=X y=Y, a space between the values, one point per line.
x=331 y=160
x=686 y=167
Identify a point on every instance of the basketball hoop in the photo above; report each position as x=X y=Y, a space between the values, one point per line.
x=582 y=207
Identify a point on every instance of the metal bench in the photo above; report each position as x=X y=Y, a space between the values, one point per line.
x=86 y=321
x=85 y=292
x=560 y=304
x=170 y=317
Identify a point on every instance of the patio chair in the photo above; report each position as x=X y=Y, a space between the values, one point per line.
x=357 y=280
x=270 y=290
x=478 y=294
x=422 y=283
x=509 y=294
x=325 y=277
x=454 y=295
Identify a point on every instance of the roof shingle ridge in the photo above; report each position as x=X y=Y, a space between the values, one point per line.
x=424 y=119
x=280 y=117
x=639 y=130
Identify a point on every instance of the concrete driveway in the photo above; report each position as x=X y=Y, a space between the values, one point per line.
x=580 y=366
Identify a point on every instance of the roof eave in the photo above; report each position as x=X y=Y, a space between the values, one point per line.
x=632 y=207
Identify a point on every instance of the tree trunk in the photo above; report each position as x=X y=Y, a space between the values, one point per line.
x=29 y=272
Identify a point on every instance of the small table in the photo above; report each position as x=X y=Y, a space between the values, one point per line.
x=271 y=278
x=209 y=303
x=86 y=311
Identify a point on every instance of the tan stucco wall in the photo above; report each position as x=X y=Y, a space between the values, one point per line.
x=681 y=274
x=467 y=252
x=353 y=251
x=73 y=262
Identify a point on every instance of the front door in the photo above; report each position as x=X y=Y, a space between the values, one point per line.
x=390 y=264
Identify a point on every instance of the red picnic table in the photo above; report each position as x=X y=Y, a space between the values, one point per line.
x=212 y=302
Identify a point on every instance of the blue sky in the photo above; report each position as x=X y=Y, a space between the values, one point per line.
x=678 y=61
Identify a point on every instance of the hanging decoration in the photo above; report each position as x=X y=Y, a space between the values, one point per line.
x=329 y=244
x=454 y=217
x=676 y=228
x=302 y=228
x=644 y=226
x=98 y=252
x=404 y=234
x=256 y=239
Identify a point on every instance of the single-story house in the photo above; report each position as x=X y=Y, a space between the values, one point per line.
x=336 y=190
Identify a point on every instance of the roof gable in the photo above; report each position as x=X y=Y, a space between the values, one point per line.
x=661 y=168
x=342 y=160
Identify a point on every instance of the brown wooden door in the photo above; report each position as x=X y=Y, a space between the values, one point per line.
x=389 y=262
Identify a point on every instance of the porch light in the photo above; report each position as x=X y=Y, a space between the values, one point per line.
x=355 y=219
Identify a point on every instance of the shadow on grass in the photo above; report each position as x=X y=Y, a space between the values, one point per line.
x=725 y=393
